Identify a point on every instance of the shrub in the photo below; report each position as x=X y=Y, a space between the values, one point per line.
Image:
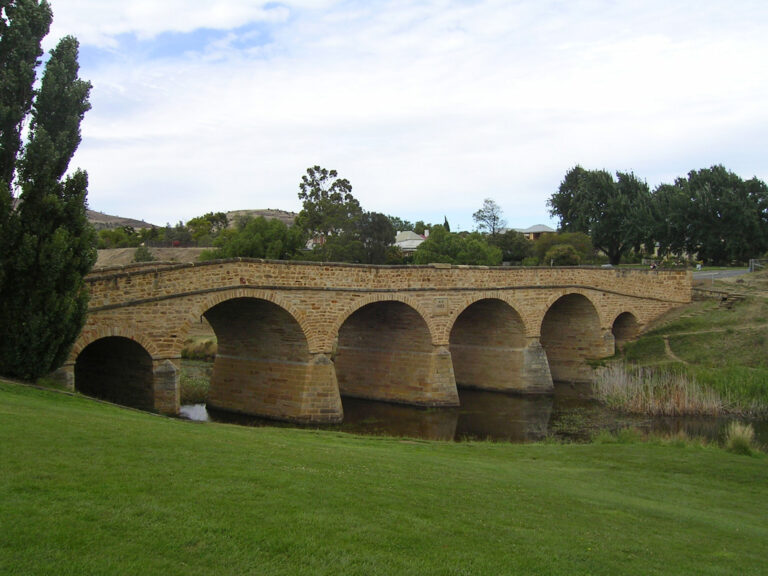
x=562 y=255
x=740 y=438
x=143 y=254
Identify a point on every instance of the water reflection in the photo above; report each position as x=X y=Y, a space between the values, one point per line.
x=569 y=414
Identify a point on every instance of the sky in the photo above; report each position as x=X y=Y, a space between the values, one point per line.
x=427 y=107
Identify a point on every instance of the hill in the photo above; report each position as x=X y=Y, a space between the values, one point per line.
x=101 y=221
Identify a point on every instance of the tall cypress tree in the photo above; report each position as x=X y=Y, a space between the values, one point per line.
x=48 y=244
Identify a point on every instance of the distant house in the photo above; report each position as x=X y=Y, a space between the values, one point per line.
x=535 y=232
x=408 y=241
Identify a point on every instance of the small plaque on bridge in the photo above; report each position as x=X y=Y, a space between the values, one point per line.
x=441 y=306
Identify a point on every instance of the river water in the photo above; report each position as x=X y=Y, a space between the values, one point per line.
x=570 y=414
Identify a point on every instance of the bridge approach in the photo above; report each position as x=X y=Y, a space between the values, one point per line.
x=294 y=337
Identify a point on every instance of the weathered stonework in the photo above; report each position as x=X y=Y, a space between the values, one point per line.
x=294 y=336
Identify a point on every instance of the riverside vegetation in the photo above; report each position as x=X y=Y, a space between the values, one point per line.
x=706 y=358
x=91 y=488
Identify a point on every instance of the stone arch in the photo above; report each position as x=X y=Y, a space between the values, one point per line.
x=570 y=335
x=625 y=328
x=487 y=343
x=388 y=297
x=215 y=298
x=129 y=331
x=385 y=352
x=263 y=358
x=603 y=314
x=116 y=369
x=530 y=322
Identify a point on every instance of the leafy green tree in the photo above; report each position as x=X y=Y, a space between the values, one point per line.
x=48 y=244
x=714 y=214
x=204 y=229
x=420 y=227
x=143 y=254
x=121 y=237
x=580 y=242
x=22 y=29
x=376 y=234
x=515 y=247
x=328 y=207
x=257 y=238
x=400 y=225
x=489 y=218
x=562 y=255
x=442 y=246
x=616 y=214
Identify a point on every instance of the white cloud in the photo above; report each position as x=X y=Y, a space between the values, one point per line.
x=427 y=107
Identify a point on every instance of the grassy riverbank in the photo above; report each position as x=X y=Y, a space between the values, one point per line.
x=720 y=344
x=90 y=488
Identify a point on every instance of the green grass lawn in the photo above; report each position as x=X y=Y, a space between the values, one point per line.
x=89 y=488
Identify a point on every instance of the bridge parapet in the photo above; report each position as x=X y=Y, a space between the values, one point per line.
x=114 y=286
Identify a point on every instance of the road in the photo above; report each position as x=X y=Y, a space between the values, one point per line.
x=719 y=274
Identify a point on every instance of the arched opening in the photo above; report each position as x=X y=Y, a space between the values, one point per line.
x=625 y=329
x=487 y=343
x=570 y=334
x=118 y=370
x=261 y=361
x=384 y=353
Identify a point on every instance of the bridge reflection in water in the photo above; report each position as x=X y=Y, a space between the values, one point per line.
x=570 y=414
x=482 y=415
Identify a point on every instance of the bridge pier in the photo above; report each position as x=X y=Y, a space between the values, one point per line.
x=535 y=375
x=165 y=385
x=294 y=391
x=321 y=402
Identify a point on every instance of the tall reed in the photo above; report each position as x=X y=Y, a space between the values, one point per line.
x=659 y=393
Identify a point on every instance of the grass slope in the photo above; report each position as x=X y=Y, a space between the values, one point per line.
x=89 y=488
x=724 y=347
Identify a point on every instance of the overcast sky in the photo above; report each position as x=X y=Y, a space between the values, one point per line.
x=427 y=107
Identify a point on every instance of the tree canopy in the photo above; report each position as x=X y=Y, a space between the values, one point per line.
x=48 y=244
x=257 y=238
x=614 y=213
x=489 y=218
x=714 y=214
x=443 y=246
x=337 y=226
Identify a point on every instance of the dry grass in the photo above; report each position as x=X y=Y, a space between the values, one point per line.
x=740 y=438
x=658 y=393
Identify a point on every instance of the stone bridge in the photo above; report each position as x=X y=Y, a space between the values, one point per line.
x=295 y=337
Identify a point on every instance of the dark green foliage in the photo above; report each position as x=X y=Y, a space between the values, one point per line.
x=143 y=254
x=339 y=228
x=48 y=245
x=562 y=255
x=257 y=238
x=515 y=247
x=376 y=234
x=204 y=229
x=25 y=24
x=329 y=208
x=400 y=225
x=714 y=214
x=580 y=242
x=616 y=214
x=442 y=246
x=122 y=237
